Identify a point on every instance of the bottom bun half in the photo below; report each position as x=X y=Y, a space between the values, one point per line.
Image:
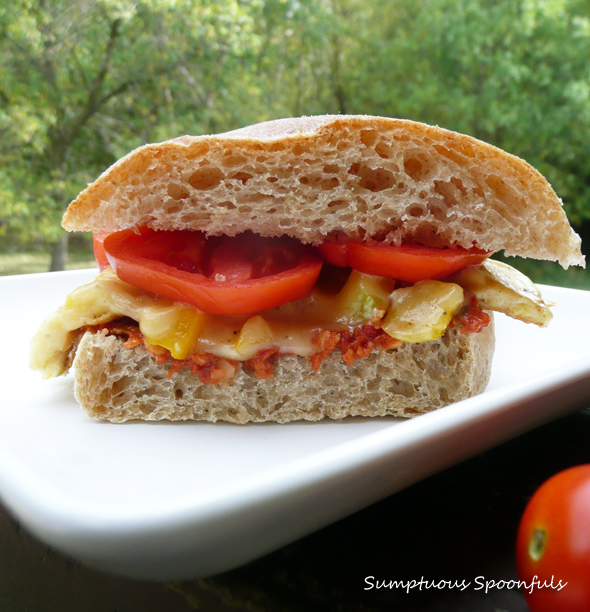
x=118 y=384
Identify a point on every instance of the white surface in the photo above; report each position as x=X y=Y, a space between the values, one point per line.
x=179 y=500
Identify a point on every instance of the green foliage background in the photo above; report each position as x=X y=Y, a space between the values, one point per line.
x=82 y=82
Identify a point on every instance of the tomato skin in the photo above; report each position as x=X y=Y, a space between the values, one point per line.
x=553 y=543
x=407 y=262
x=188 y=267
x=98 y=246
x=335 y=253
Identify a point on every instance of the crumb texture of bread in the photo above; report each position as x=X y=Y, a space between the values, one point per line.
x=118 y=384
x=366 y=178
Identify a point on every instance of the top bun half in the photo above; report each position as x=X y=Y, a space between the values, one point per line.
x=367 y=178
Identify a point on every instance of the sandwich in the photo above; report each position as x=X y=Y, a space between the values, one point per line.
x=302 y=268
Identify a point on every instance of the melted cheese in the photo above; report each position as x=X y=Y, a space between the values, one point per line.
x=417 y=313
x=184 y=330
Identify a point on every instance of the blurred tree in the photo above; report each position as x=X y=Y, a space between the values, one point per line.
x=82 y=81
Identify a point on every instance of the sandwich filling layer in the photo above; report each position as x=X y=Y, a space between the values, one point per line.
x=346 y=311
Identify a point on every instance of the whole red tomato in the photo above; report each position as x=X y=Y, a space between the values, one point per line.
x=553 y=544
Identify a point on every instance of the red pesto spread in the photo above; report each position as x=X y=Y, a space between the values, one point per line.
x=471 y=320
x=353 y=345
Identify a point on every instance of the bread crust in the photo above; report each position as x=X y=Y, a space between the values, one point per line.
x=118 y=384
x=317 y=177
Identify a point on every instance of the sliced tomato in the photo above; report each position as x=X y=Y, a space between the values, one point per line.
x=99 y=254
x=219 y=275
x=408 y=262
x=335 y=253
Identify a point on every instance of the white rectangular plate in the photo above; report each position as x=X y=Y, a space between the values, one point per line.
x=180 y=500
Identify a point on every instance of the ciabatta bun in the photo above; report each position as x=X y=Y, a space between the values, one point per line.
x=117 y=384
x=313 y=178
x=317 y=177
